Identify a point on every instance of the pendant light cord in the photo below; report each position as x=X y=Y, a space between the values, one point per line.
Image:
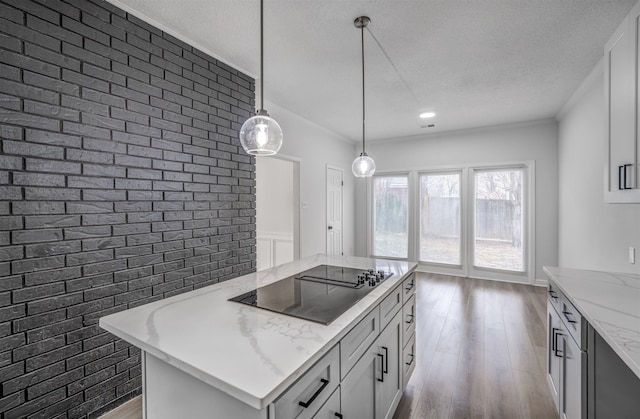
x=261 y=55
x=363 y=106
x=402 y=79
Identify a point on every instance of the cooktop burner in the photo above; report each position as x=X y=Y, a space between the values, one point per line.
x=320 y=294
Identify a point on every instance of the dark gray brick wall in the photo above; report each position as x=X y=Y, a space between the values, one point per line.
x=121 y=182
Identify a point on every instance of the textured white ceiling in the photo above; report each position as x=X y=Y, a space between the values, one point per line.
x=474 y=62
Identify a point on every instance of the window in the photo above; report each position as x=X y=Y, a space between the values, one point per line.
x=440 y=218
x=391 y=216
x=474 y=221
x=498 y=208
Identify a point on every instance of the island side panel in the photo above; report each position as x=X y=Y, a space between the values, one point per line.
x=171 y=393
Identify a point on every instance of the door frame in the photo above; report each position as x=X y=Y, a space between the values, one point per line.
x=326 y=206
x=297 y=201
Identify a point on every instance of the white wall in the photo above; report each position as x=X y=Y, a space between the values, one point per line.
x=592 y=234
x=505 y=144
x=316 y=147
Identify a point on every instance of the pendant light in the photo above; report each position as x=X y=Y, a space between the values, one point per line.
x=363 y=165
x=261 y=135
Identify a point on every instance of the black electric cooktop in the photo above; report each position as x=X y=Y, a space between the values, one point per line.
x=320 y=294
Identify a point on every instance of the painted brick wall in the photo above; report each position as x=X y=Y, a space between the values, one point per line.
x=121 y=182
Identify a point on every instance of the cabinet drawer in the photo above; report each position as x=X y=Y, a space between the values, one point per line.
x=572 y=320
x=331 y=407
x=408 y=287
x=408 y=320
x=358 y=340
x=408 y=360
x=304 y=398
x=555 y=296
x=390 y=306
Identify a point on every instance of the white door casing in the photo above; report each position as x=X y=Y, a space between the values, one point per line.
x=334 y=210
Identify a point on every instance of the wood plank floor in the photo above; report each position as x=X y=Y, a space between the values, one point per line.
x=480 y=351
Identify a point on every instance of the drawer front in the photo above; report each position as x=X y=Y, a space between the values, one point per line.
x=331 y=408
x=390 y=306
x=358 y=340
x=555 y=296
x=572 y=319
x=408 y=287
x=408 y=320
x=305 y=397
x=408 y=360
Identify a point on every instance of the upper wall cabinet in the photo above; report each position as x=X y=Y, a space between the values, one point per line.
x=622 y=64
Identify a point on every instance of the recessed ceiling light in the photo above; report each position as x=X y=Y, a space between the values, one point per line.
x=425 y=115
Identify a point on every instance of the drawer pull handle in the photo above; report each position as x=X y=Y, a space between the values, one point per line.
x=315 y=395
x=410 y=316
x=338 y=415
x=553 y=294
x=386 y=359
x=566 y=316
x=410 y=287
x=410 y=362
x=556 y=351
x=381 y=368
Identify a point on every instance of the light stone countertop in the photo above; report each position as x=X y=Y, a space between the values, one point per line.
x=610 y=302
x=249 y=353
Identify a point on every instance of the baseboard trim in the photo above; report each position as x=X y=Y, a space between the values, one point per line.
x=541 y=282
x=126 y=410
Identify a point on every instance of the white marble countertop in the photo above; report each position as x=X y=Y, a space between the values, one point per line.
x=611 y=304
x=249 y=353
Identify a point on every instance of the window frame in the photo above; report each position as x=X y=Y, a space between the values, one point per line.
x=370 y=213
x=467 y=203
x=528 y=225
x=445 y=267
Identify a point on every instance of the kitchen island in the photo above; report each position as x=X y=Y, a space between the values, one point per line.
x=205 y=356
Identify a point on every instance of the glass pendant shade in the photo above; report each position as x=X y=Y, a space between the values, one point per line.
x=363 y=166
x=261 y=135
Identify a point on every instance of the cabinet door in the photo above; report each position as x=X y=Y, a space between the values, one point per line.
x=571 y=405
x=554 y=354
x=619 y=101
x=389 y=390
x=331 y=409
x=408 y=360
x=358 y=389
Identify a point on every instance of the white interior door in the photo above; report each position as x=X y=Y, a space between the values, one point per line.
x=334 y=210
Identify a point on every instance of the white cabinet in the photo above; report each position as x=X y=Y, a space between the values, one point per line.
x=622 y=111
x=571 y=406
x=358 y=389
x=374 y=386
x=358 y=341
x=390 y=387
x=408 y=328
x=566 y=361
x=554 y=328
x=408 y=360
